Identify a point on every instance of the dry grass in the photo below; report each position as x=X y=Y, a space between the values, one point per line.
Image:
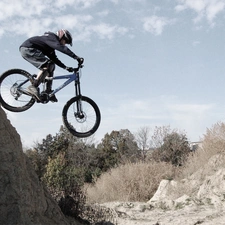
x=139 y=181
x=130 y=182
x=213 y=144
x=204 y=162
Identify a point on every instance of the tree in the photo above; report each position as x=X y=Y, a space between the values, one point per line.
x=50 y=147
x=115 y=148
x=142 y=138
x=61 y=175
x=159 y=135
x=175 y=149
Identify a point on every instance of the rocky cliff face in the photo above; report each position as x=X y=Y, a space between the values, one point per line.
x=23 y=199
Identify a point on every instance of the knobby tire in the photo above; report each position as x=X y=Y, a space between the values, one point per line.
x=81 y=127
x=10 y=97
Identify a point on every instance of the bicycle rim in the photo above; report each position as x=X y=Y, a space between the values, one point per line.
x=81 y=124
x=11 y=96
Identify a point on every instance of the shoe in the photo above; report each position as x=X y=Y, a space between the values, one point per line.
x=53 y=98
x=33 y=91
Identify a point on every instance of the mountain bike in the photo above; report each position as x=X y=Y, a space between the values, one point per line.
x=80 y=115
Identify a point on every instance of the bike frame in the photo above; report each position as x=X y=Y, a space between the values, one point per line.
x=70 y=78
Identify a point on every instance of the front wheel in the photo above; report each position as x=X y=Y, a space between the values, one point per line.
x=81 y=116
x=13 y=83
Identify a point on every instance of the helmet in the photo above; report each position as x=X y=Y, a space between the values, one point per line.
x=65 y=34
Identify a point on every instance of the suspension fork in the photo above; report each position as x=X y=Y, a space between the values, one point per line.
x=78 y=94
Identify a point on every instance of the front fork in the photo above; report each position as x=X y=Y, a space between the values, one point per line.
x=79 y=109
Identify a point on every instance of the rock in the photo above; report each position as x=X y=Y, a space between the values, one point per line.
x=23 y=199
x=164 y=188
x=212 y=190
x=201 y=188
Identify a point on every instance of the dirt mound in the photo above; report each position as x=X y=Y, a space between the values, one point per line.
x=23 y=199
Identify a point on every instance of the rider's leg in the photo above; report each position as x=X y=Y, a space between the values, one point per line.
x=38 y=59
x=41 y=76
x=46 y=71
x=51 y=68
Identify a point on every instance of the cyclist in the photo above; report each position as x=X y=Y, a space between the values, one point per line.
x=40 y=52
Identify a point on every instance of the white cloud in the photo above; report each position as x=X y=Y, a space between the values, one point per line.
x=155 y=24
x=32 y=18
x=213 y=9
x=101 y=30
x=107 y=31
x=208 y=9
x=196 y=43
x=84 y=18
x=73 y=22
x=160 y=111
x=195 y=111
x=21 y=8
x=114 y=1
x=30 y=27
x=103 y=13
x=76 y=3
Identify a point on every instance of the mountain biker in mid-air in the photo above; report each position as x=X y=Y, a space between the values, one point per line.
x=40 y=52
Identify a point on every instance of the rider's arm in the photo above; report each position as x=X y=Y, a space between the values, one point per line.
x=53 y=42
x=54 y=58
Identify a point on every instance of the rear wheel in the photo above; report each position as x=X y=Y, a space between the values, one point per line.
x=13 y=84
x=81 y=116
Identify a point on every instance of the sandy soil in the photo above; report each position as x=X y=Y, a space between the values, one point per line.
x=142 y=214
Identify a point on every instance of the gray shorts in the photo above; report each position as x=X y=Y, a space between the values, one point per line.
x=34 y=56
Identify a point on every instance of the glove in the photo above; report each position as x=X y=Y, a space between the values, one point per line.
x=80 y=61
x=69 y=69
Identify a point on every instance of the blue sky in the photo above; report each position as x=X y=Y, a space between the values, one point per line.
x=147 y=62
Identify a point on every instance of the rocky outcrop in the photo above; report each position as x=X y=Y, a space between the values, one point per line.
x=201 y=188
x=23 y=199
x=197 y=199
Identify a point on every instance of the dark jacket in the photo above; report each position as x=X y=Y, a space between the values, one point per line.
x=47 y=44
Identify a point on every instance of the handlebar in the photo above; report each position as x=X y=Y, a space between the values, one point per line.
x=79 y=67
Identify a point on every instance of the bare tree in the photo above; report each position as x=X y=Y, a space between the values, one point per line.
x=158 y=136
x=143 y=140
